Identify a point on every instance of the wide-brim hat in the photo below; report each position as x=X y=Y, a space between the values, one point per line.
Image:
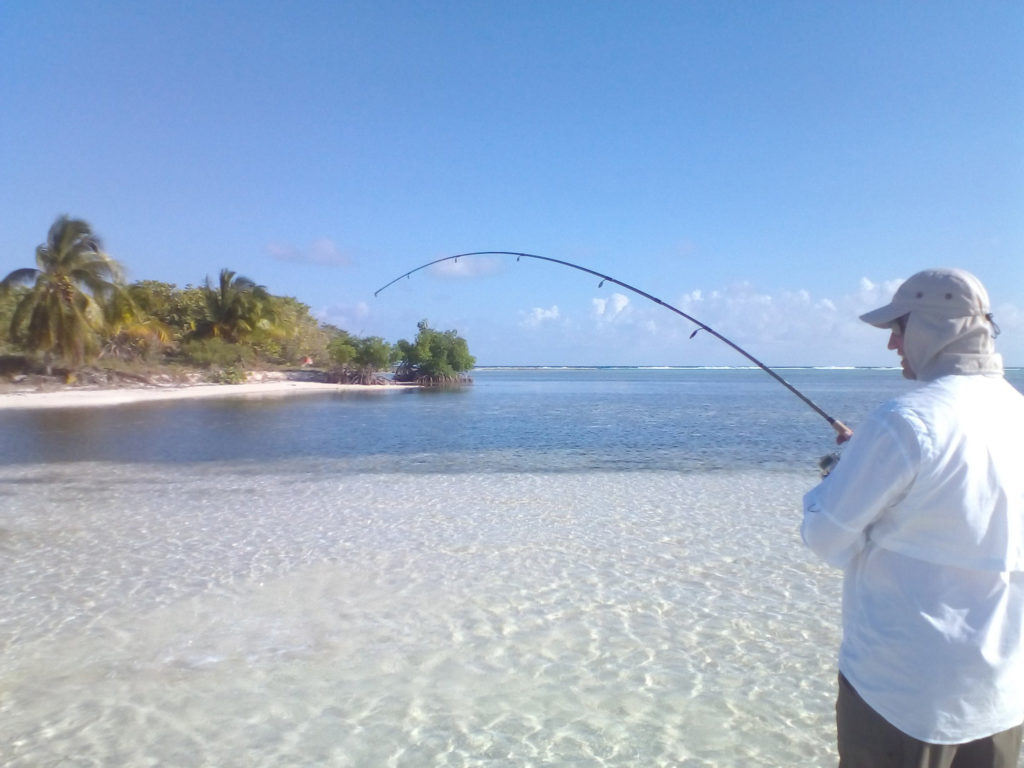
x=938 y=292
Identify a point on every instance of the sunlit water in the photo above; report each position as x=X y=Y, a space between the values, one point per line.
x=593 y=568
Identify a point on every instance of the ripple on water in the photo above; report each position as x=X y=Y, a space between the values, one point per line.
x=217 y=615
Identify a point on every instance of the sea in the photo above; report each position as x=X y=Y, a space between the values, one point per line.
x=548 y=567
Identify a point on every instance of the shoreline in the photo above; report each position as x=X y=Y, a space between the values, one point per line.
x=74 y=397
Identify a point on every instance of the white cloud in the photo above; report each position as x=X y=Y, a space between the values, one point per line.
x=611 y=308
x=794 y=326
x=872 y=294
x=322 y=251
x=788 y=328
x=538 y=315
x=467 y=266
x=350 y=317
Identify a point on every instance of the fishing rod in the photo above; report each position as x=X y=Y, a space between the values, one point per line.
x=843 y=432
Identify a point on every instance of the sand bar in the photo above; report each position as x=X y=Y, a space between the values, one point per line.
x=72 y=397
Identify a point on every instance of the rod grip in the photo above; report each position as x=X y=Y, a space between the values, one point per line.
x=843 y=432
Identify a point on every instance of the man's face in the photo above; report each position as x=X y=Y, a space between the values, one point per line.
x=896 y=343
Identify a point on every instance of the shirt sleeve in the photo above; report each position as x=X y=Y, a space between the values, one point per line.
x=876 y=471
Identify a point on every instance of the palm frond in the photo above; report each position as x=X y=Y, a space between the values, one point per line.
x=19 y=277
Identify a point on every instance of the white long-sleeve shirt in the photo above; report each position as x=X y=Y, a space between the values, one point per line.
x=925 y=515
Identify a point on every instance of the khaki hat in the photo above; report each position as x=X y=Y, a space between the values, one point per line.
x=938 y=292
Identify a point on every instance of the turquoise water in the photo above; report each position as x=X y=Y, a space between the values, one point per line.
x=550 y=568
x=508 y=421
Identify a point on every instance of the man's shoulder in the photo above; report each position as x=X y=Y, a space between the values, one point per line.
x=958 y=386
x=956 y=395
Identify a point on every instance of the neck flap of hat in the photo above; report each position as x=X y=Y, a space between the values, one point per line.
x=937 y=346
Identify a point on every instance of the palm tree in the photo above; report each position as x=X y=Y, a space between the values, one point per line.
x=129 y=331
x=235 y=308
x=61 y=313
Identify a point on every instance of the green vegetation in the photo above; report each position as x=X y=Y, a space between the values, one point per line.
x=435 y=357
x=61 y=314
x=73 y=310
x=235 y=309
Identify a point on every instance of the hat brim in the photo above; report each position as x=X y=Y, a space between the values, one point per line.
x=884 y=317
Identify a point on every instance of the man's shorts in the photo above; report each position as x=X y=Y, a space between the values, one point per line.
x=868 y=740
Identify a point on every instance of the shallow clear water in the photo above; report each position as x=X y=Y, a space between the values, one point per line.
x=440 y=579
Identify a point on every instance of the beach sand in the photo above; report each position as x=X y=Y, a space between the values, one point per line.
x=79 y=397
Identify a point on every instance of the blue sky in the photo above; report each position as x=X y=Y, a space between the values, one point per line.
x=773 y=168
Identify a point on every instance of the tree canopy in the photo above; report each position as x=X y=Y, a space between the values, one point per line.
x=235 y=308
x=61 y=313
x=433 y=357
x=74 y=308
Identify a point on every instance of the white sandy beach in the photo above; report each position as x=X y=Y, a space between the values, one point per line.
x=71 y=397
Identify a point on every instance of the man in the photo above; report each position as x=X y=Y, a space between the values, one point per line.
x=925 y=515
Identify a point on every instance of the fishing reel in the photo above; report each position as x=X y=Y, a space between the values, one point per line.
x=827 y=463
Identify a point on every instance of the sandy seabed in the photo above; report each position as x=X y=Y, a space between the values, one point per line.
x=294 y=613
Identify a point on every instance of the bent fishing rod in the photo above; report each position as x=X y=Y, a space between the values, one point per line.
x=843 y=432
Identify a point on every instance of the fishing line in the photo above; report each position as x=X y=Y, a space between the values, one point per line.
x=842 y=431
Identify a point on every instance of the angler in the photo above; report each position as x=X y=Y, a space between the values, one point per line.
x=843 y=433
